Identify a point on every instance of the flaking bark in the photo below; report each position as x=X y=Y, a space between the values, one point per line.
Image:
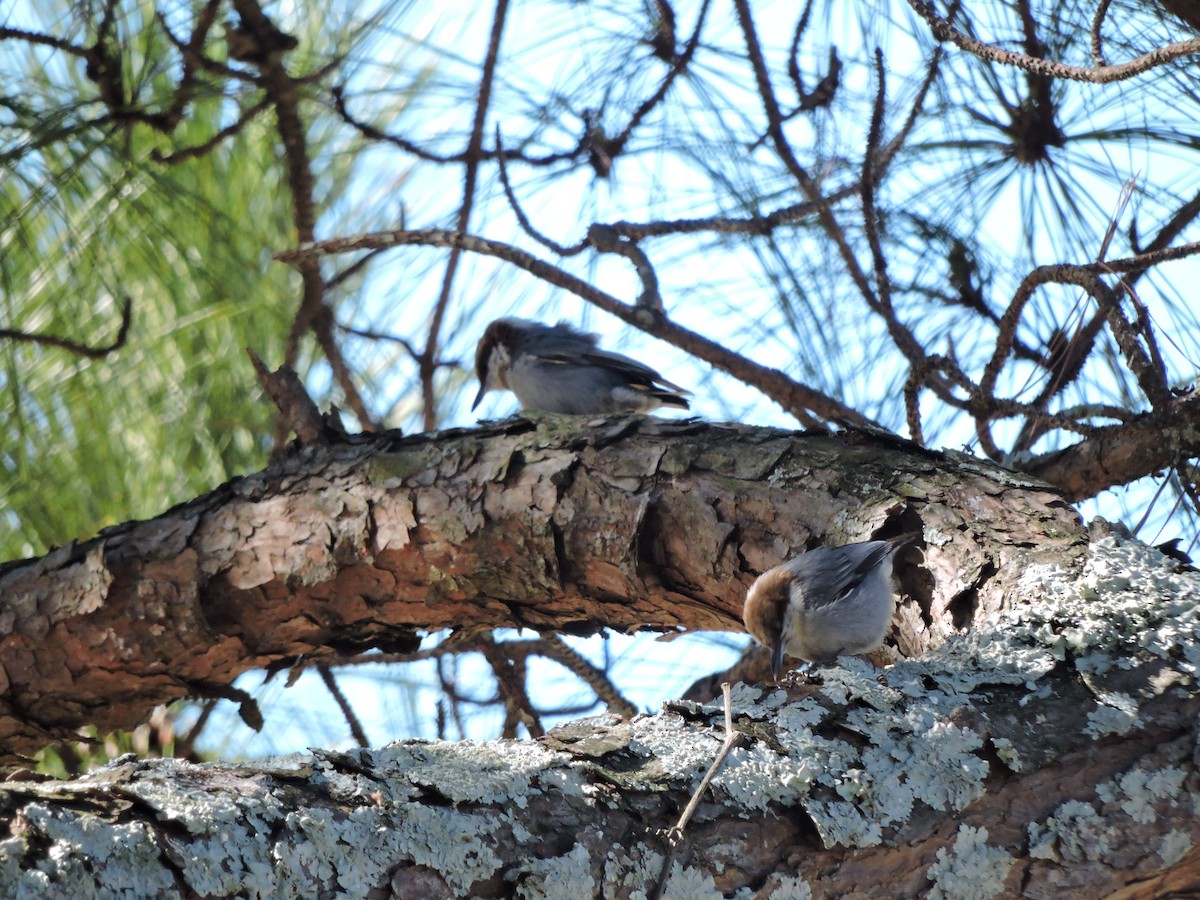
x=552 y=524
x=1049 y=753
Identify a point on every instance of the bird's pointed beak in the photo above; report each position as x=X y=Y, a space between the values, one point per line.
x=483 y=389
x=776 y=657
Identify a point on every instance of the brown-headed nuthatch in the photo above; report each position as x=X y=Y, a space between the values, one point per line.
x=825 y=603
x=557 y=369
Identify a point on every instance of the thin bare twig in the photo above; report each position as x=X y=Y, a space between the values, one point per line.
x=45 y=40
x=605 y=240
x=1175 y=226
x=297 y=411
x=372 y=133
x=1119 y=454
x=1152 y=382
x=191 y=49
x=186 y=88
x=1097 y=41
x=985 y=407
x=518 y=707
x=1146 y=327
x=823 y=93
x=450 y=690
x=1147 y=259
x=1066 y=360
x=615 y=145
x=883 y=284
x=904 y=339
x=470 y=174
x=198 y=150
x=943 y=30
x=411 y=350
x=356 y=729
x=313 y=313
x=185 y=744
x=31 y=337
x=351 y=270
x=1162 y=486
x=522 y=219
x=553 y=647
x=675 y=835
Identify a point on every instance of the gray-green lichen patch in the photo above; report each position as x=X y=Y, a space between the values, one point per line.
x=128 y=853
x=671 y=749
x=754 y=777
x=489 y=772
x=971 y=870
x=1117 y=714
x=235 y=835
x=1008 y=754
x=789 y=887
x=226 y=848
x=1074 y=833
x=633 y=872
x=1174 y=846
x=628 y=870
x=690 y=883
x=911 y=756
x=878 y=743
x=591 y=737
x=1079 y=832
x=1108 y=618
x=569 y=875
x=1139 y=790
x=856 y=761
x=457 y=845
x=925 y=759
x=858 y=679
x=864 y=752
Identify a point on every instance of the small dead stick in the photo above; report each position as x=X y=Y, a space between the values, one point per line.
x=297 y=409
x=675 y=835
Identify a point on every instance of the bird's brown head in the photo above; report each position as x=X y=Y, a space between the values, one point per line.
x=763 y=612
x=493 y=354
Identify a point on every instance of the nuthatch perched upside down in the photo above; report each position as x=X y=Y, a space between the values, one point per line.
x=828 y=602
x=555 y=368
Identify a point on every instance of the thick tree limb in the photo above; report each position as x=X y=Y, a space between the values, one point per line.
x=1120 y=454
x=1049 y=753
x=556 y=524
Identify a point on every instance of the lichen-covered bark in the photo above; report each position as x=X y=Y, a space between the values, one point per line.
x=551 y=523
x=1052 y=752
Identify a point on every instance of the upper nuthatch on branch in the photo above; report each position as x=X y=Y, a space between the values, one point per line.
x=825 y=603
x=561 y=370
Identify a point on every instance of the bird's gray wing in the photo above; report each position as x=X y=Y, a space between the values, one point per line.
x=563 y=344
x=827 y=574
x=619 y=370
x=565 y=347
x=558 y=340
x=636 y=372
